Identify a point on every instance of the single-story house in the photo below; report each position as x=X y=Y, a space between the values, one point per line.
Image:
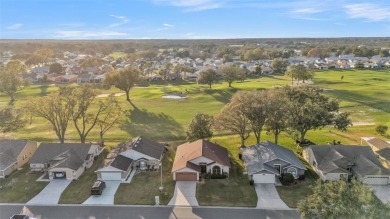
x=380 y=147
x=202 y=156
x=139 y=154
x=68 y=160
x=337 y=162
x=266 y=161
x=14 y=154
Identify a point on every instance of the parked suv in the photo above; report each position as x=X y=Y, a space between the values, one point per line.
x=98 y=187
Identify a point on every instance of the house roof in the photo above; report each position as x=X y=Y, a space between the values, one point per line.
x=68 y=155
x=121 y=162
x=191 y=150
x=378 y=143
x=335 y=158
x=145 y=146
x=9 y=151
x=385 y=153
x=257 y=156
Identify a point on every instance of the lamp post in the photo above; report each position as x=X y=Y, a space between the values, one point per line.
x=161 y=186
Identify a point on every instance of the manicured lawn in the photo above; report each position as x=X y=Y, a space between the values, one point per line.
x=292 y=194
x=79 y=190
x=20 y=186
x=145 y=186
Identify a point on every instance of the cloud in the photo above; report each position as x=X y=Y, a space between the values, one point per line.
x=77 y=34
x=165 y=27
x=168 y=25
x=306 y=11
x=193 y=5
x=368 y=11
x=14 y=26
x=123 y=20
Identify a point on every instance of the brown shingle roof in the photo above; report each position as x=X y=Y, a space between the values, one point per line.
x=189 y=151
x=378 y=143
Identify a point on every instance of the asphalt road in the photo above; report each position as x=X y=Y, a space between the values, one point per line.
x=141 y=212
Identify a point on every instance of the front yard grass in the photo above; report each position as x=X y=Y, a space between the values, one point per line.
x=232 y=191
x=145 y=185
x=20 y=186
x=292 y=194
x=79 y=190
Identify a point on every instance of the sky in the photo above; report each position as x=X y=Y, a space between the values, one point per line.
x=192 y=19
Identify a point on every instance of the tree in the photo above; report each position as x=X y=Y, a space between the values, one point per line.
x=10 y=120
x=200 y=127
x=232 y=118
x=279 y=65
x=340 y=199
x=230 y=73
x=359 y=65
x=318 y=52
x=35 y=59
x=277 y=117
x=208 y=76
x=109 y=117
x=165 y=70
x=299 y=72
x=310 y=109
x=254 y=107
x=84 y=117
x=91 y=62
x=10 y=82
x=124 y=79
x=381 y=129
x=55 y=68
x=44 y=53
x=55 y=108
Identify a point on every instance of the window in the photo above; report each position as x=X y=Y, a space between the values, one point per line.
x=203 y=167
x=217 y=170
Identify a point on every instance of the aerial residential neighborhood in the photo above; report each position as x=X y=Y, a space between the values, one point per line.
x=194 y=109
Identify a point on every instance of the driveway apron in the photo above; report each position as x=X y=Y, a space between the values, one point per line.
x=184 y=194
x=107 y=197
x=268 y=197
x=51 y=193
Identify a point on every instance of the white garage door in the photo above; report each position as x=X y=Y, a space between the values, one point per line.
x=377 y=180
x=264 y=178
x=111 y=176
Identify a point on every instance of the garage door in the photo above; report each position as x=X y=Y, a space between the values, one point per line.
x=264 y=178
x=376 y=180
x=186 y=176
x=111 y=176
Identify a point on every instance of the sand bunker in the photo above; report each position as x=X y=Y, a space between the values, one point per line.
x=107 y=95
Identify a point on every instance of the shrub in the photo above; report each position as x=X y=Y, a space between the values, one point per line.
x=287 y=179
x=381 y=129
x=218 y=176
x=302 y=177
x=251 y=182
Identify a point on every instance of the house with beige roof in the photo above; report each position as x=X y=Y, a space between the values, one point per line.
x=202 y=156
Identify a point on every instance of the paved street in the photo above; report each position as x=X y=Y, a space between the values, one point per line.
x=268 y=197
x=382 y=192
x=184 y=194
x=51 y=193
x=108 y=194
x=143 y=212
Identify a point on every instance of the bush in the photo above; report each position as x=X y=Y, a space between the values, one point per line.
x=287 y=179
x=217 y=176
x=302 y=177
x=381 y=129
x=251 y=182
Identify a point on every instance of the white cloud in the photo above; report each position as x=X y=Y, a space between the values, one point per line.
x=368 y=11
x=14 y=26
x=306 y=11
x=193 y=5
x=168 y=25
x=123 y=20
x=77 y=34
x=165 y=27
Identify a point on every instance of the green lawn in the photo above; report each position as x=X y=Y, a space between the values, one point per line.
x=145 y=186
x=79 y=190
x=20 y=186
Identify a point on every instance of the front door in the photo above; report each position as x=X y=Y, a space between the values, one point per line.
x=203 y=167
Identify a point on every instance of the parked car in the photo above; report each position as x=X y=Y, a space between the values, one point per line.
x=20 y=216
x=98 y=187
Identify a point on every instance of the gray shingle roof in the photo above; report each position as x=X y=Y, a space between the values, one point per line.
x=256 y=157
x=121 y=162
x=9 y=151
x=146 y=146
x=336 y=158
x=69 y=155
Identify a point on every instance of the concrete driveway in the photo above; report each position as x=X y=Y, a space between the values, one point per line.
x=184 y=194
x=268 y=197
x=51 y=193
x=107 y=197
x=382 y=192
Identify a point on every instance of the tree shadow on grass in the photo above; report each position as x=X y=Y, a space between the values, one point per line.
x=159 y=127
x=222 y=96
